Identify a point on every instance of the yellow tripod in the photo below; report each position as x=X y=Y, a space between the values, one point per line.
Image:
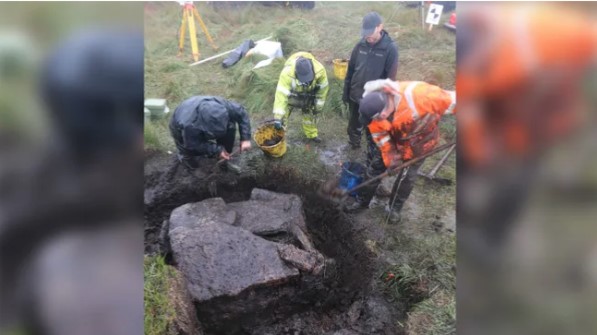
x=189 y=13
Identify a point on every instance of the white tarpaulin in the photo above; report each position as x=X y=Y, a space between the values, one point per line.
x=269 y=49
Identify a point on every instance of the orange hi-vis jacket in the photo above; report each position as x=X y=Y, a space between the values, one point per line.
x=412 y=129
x=522 y=44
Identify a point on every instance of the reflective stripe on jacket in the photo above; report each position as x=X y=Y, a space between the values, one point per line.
x=288 y=85
x=412 y=129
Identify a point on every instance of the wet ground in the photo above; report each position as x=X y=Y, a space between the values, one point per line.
x=351 y=300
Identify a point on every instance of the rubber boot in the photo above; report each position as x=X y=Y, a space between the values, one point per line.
x=394 y=216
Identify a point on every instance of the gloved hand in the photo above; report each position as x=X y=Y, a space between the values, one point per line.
x=278 y=125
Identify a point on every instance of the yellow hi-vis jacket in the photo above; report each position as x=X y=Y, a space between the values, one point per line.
x=289 y=85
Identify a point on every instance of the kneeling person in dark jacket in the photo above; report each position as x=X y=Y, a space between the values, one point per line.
x=205 y=126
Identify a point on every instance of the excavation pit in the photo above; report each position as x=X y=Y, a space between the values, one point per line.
x=271 y=307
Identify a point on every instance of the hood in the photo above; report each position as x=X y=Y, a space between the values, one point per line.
x=212 y=118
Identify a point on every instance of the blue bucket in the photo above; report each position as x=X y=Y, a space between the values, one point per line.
x=352 y=175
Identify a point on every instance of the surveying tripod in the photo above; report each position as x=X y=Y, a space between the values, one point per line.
x=189 y=13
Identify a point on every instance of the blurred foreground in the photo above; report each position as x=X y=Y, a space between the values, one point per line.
x=71 y=79
x=527 y=170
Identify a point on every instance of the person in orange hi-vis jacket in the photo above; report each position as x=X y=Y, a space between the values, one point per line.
x=402 y=119
x=519 y=74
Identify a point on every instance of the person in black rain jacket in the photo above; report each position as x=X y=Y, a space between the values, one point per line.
x=205 y=126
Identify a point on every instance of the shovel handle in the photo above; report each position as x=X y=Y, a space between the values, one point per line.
x=399 y=167
x=441 y=161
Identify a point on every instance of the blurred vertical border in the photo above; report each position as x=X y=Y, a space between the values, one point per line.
x=71 y=97
x=527 y=168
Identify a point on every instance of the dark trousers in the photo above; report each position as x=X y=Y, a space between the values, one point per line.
x=403 y=186
x=191 y=161
x=355 y=128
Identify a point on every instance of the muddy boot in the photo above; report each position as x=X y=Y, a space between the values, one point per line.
x=354 y=144
x=383 y=191
x=394 y=216
x=354 y=141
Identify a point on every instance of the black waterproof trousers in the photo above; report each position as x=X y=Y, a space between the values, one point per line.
x=191 y=161
x=355 y=128
x=403 y=186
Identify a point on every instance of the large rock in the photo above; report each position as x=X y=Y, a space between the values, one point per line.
x=237 y=273
x=185 y=320
x=259 y=219
x=268 y=213
x=308 y=261
x=219 y=259
x=193 y=214
x=291 y=204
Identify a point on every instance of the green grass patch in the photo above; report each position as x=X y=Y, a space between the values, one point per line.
x=157 y=135
x=255 y=88
x=328 y=31
x=425 y=280
x=433 y=316
x=159 y=313
x=429 y=261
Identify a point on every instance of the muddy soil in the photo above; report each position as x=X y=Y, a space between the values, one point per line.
x=347 y=301
x=273 y=141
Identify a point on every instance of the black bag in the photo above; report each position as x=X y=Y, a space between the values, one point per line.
x=238 y=53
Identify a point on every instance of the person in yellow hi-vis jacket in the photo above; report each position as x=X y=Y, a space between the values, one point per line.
x=303 y=85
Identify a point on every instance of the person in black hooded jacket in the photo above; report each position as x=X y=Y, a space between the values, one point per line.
x=205 y=126
x=374 y=57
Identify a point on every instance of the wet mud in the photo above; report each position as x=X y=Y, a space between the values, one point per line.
x=272 y=141
x=344 y=300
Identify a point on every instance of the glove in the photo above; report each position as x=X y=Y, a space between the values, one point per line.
x=278 y=125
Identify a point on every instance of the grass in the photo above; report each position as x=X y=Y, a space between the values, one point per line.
x=329 y=31
x=157 y=135
x=159 y=311
x=427 y=261
x=433 y=316
x=425 y=279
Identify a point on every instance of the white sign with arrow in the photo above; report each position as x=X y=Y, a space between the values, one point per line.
x=434 y=14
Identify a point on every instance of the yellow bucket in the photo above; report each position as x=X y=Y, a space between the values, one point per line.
x=267 y=132
x=340 y=68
